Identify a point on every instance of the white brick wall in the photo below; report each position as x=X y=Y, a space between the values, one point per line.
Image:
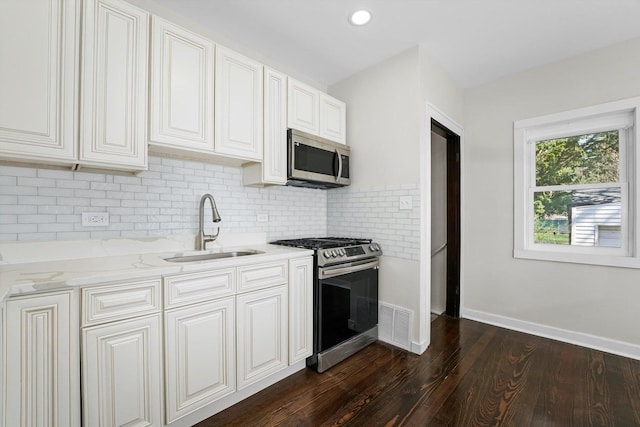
x=46 y=204
x=374 y=213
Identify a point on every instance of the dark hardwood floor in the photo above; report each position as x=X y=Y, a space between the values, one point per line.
x=472 y=375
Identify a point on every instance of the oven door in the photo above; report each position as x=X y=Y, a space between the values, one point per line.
x=348 y=301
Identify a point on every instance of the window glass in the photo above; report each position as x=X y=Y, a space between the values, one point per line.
x=581 y=159
x=573 y=217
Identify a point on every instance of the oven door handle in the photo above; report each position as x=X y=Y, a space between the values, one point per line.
x=339 y=270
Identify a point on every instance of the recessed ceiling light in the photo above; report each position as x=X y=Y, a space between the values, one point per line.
x=360 y=17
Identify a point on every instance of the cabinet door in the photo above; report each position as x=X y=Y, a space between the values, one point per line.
x=333 y=119
x=238 y=105
x=200 y=356
x=42 y=368
x=39 y=80
x=114 y=85
x=300 y=309
x=303 y=107
x=261 y=334
x=274 y=164
x=122 y=374
x=181 y=87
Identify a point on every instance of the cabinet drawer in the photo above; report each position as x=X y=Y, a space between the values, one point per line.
x=259 y=276
x=198 y=287
x=120 y=301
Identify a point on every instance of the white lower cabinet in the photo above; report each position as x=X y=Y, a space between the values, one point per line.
x=41 y=367
x=215 y=337
x=261 y=334
x=200 y=356
x=300 y=309
x=122 y=354
x=122 y=373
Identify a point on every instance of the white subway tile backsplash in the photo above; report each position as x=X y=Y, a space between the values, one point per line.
x=45 y=204
x=374 y=213
x=17 y=171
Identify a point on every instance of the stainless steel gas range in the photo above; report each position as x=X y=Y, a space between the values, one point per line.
x=345 y=296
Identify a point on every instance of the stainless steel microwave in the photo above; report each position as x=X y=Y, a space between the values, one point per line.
x=316 y=162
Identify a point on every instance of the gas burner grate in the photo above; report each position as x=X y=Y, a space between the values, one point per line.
x=322 y=242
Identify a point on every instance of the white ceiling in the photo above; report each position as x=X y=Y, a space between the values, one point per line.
x=476 y=41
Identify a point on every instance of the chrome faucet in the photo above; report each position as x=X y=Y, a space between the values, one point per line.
x=202 y=239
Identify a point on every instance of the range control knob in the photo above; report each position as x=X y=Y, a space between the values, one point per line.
x=372 y=248
x=343 y=252
x=326 y=254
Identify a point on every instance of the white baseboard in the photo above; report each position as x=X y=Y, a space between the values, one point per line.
x=585 y=340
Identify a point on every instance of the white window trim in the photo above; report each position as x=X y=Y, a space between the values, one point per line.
x=596 y=118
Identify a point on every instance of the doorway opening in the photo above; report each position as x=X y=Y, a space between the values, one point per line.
x=445 y=220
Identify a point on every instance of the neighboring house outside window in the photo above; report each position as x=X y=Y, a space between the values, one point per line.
x=576 y=185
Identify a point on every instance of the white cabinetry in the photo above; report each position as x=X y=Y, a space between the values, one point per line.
x=303 y=109
x=262 y=334
x=315 y=112
x=300 y=309
x=238 y=105
x=122 y=360
x=181 y=98
x=114 y=85
x=199 y=339
x=41 y=361
x=333 y=119
x=200 y=361
x=121 y=366
x=39 y=51
x=273 y=169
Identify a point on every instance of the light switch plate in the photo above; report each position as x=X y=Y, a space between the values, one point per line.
x=95 y=219
x=263 y=217
x=406 y=203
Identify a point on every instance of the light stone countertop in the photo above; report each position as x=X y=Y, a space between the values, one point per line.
x=45 y=276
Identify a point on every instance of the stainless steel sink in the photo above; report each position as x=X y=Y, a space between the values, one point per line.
x=217 y=255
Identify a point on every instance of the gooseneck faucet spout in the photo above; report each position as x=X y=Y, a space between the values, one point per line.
x=202 y=239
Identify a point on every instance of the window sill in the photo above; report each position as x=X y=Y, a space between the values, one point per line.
x=589 y=259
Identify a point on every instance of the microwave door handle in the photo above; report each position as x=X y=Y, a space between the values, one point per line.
x=339 y=165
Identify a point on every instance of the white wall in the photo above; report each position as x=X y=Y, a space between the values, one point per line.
x=439 y=89
x=576 y=299
x=383 y=112
x=386 y=112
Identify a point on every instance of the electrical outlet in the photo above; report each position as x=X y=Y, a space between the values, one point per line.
x=263 y=217
x=406 y=203
x=95 y=219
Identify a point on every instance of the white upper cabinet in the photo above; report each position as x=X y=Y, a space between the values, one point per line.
x=333 y=119
x=315 y=112
x=114 y=85
x=39 y=80
x=303 y=110
x=238 y=105
x=181 y=96
x=273 y=169
x=274 y=163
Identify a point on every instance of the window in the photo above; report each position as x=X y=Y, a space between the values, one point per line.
x=576 y=186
